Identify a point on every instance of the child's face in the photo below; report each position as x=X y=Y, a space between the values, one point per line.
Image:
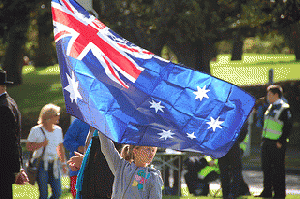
x=144 y=154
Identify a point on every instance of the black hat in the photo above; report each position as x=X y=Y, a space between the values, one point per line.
x=3 y=78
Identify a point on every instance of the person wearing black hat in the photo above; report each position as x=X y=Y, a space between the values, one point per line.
x=10 y=148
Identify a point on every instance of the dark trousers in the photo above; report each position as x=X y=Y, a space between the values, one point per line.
x=232 y=181
x=7 y=179
x=273 y=167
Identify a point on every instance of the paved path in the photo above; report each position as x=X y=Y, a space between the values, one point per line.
x=255 y=180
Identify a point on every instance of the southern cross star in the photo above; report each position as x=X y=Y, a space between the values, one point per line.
x=157 y=106
x=214 y=123
x=72 y=88
x=166 y=134
x=191 y=136
x=201 y=93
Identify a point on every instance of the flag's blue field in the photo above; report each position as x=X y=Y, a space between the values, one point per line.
x=136 y=97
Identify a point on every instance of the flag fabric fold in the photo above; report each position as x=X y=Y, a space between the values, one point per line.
x=136 y=97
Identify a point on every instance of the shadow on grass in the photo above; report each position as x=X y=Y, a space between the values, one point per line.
x=277 y=62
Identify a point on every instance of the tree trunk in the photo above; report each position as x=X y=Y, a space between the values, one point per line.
x=237 y=50
x=295 y=40
x=195 y=55
x=205 y=51
x=184 y=51
x=45 y=53
x=13 y=59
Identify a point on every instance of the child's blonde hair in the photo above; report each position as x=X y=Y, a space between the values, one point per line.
x=127 y=152
x=48 y=111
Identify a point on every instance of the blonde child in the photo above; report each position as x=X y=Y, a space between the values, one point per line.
x=133 y=177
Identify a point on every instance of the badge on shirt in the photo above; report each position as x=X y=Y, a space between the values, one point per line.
x=140 y=179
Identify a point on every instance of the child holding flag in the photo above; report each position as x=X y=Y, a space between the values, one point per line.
x=133 y=177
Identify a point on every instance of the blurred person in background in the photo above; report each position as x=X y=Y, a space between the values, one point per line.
x=95 y=179
x=47 y=134
x=74 y=141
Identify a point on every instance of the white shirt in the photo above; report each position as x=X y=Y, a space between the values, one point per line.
x=54 y=139
x=279 y=101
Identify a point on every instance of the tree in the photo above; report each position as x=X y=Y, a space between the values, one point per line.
x=284 y=16
x=45 y=51
x=189 y=27
x=249 y=23
x=13 y=28
x=237 y=50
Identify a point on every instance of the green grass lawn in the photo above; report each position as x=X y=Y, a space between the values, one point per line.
x=40 y=86
x=254 y=68
x=31 y=192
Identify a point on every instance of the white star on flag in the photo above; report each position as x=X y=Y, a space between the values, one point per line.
x=166 y=134
x=72 y=88
x=157 y=106
x=191 y=136
x=201 y=93
x=214 y=123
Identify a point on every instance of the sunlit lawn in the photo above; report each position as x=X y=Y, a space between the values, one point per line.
x=31 y=192
x=254 y=68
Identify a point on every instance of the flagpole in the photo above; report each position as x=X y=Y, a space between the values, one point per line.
x=88 y=5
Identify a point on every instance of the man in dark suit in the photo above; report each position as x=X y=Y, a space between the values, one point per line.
x=10 y=148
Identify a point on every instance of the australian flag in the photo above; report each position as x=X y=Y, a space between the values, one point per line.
x=136 y=97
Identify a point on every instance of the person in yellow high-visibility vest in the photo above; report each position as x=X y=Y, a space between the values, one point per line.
x=200 y=172
x=212 y=166
x=243 y=144
x=276 y=130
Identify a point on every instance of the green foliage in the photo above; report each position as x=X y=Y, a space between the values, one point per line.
x=271 y=43
x=252 y=15
x=168 y=54
x=282 y=13
x=224 y=47
x=184 y=20
x=3 y=46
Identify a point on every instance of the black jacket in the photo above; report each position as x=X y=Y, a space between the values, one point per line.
x=10 y=129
